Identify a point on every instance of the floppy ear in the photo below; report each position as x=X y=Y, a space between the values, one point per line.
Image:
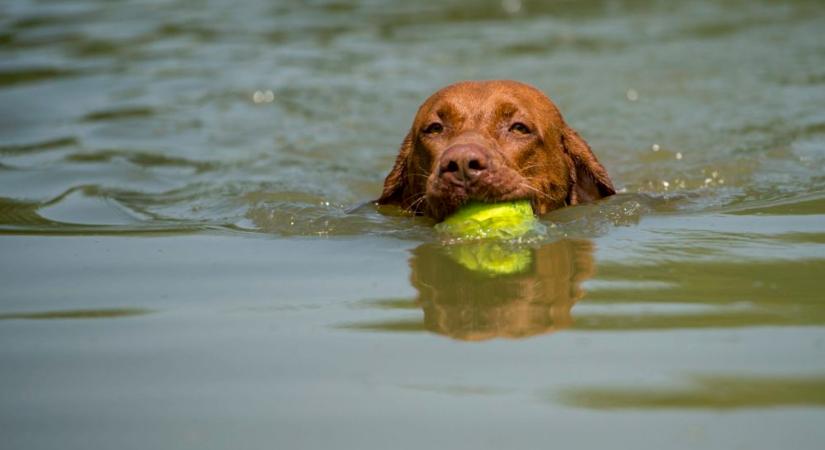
x=589 y=179
x=396 y=182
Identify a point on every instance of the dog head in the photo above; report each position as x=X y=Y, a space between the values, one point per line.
x=492 y=141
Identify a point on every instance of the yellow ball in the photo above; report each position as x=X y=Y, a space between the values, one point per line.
x=505 y=220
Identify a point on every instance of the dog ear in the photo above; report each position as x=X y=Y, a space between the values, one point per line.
x=396 y=181
x=589 y=179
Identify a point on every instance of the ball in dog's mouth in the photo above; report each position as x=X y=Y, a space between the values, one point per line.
x=477 y=220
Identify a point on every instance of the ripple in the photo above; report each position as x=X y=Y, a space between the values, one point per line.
x=39 y=146
x=142 y=159
x=722 y=392
x=111 y=313
x=17 y=213
x=34 y=75
x=84 y=206
x=201 y=33
x=119 y=113
x=289 y=218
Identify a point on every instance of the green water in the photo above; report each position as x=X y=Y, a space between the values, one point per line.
x=188 y=258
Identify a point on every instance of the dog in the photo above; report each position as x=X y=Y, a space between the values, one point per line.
x=492 y=141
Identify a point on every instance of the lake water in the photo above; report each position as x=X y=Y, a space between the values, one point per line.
x=188 y=258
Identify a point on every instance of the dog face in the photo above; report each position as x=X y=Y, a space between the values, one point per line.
x=492 y=141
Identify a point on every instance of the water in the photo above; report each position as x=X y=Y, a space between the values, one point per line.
x=188 y=258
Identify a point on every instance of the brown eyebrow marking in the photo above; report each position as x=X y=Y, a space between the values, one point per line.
x=505 y=110
x=448 y=113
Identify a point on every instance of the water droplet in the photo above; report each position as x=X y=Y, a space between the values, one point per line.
x=266 y=96
x=655 y=147
x=511 y=6
x=678 y=155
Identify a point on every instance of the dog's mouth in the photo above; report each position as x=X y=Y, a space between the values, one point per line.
x=443 y=199
x=441 y=212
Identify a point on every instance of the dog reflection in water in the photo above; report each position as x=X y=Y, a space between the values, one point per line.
x=482 y=291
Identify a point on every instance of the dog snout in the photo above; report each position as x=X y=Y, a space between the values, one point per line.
x=462 y=164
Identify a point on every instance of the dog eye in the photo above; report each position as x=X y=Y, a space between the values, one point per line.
x=519 y=128
x=433 y=128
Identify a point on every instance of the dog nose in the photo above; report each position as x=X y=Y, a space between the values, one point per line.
x=463 y=163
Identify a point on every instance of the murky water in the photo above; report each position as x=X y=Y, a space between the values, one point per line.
x=187 y=259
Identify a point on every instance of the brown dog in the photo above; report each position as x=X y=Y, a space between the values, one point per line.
x=492 y=141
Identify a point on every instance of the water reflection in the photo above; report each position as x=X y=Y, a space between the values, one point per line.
x=466 y=302
x=462 y=299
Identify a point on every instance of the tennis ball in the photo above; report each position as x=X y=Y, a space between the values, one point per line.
x=475 y=220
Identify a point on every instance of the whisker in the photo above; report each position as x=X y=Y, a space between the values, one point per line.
x=534 y=189
x=526 y=168
x=414 y=205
